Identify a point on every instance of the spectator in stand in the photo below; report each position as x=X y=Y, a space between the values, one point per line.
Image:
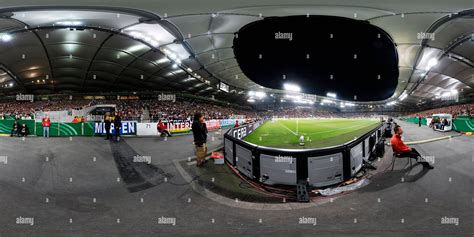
x=15 y=129
x=163 y=129
x=236 y=124
x=405 y=151
x=46 y=124
x=24 y=131
x=117 y=125
x=200 y=138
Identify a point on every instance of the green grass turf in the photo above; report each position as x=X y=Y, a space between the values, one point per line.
x=318 y=133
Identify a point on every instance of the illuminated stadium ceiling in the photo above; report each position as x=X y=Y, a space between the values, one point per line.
x=94 y=49
x=70 y=51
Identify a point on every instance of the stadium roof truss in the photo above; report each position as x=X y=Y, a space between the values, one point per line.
x=63 y=49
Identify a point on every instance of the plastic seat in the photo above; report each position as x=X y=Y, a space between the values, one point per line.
x=398 y=155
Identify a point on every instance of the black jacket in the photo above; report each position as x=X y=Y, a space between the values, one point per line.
x=24 y=130
x=107 y=123
x=15 y=127
x=117 y=122
x=199 y=133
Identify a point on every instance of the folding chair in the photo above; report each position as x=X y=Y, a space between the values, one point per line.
x=398 y=155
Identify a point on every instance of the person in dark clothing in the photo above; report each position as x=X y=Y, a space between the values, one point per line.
x=108 y=124
x=200 y=138
x=15 y=129
x=24 y=131
x=419 y=121
x=117 y=125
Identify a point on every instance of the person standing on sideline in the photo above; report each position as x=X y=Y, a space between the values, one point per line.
x=108 y=124
x=117 y=125
x=200 y=138
x=46 y=124
x=419 y=121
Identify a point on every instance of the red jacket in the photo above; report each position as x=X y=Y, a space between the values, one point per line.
x=398 y=145
x=46 y=122
x=161 y=127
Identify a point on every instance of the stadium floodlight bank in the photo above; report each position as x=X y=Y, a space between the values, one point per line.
x=319 y=167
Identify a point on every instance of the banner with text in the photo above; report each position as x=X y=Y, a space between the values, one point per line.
x=179 y=126
x=147 y=129
x=128 y=128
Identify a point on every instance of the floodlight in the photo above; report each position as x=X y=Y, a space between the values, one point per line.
x=291 y=87
x=332 y=95
x=6 y=37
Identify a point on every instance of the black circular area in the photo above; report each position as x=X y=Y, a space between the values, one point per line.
x=321 y=54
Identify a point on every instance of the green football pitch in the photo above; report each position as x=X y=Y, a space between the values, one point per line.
x=318 y=133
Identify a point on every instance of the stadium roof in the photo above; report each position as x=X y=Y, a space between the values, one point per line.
x=188 y=46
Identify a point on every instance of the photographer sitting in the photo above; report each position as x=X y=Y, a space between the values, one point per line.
x=163 y=129
x=405 y=151
x=24 y=131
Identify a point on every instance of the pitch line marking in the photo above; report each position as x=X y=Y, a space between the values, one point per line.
x=288 y=128
x=360 y=125
x=296 y=127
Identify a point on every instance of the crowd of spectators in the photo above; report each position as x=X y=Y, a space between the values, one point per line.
x=186 y=109
x=182 y=109
x=318 y=112
x=26 y=109
x=153 y=109
x=299 y=112
x=454 y=110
